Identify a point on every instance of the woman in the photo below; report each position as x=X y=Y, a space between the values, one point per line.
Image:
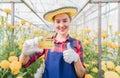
x=65 y=60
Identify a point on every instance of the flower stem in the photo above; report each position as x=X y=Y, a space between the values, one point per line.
x=4 y=73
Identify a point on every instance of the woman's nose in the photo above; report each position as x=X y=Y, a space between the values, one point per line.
x=61 y=24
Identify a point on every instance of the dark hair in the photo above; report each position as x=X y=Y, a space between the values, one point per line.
x=63 y=13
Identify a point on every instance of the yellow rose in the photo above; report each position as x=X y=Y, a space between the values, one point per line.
x=17 y=25
x=113 y=46
x=105 y=43
x=87 y=30
x=86 y=42
x=117 y=33
x=7 y=10
x=15 y=71
x=117 y=68
x=36 y=31
x=104 y=35
x=93 y=62
x=23 y=22
x=19 y=77
x=110 y=65
x=88 y=76
x=95 y=70
x=103 y=66
x=11 y=53
x=86 y=65
x=111 y=74
x=22 y=40
x=15 y=66
x=20 y=47
x=13 y=58
x=13 y=27
x=4 y=64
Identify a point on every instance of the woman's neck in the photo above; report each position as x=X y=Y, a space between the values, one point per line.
x=61 y=38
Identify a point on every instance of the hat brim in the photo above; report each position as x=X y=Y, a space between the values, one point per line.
x=70 y=10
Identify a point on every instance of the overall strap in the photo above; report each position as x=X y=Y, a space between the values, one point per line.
x=72 y=45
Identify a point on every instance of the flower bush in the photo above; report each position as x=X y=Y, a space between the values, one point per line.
x=11 y=42
x=11 y=66
x=13 y=37
x=110 y=52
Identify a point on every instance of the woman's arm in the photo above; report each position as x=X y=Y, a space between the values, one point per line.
x=79 y=65
x=23 y=59
x=80 y=70
x=27 y=60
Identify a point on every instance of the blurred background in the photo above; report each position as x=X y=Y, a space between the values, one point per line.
x=96 y=25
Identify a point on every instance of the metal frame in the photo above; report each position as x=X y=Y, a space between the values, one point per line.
x=22 y=1
x=11 y=1
x=82 y=8
x=12 y=21
x=96 y=16
x=119 y=16
x=35 y=13
x=119 y=27
x=104 y=1
x=99 y=40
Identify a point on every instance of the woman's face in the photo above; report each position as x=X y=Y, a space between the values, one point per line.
x=62 y=23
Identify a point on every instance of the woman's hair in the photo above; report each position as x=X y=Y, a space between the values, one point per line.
x=63 y=13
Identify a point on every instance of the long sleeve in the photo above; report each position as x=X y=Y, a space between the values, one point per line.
x=34 y=57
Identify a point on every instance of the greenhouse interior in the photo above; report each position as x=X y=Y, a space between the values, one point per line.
x=96 y=25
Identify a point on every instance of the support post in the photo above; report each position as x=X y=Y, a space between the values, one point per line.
x=99 y=40
x=118 y=27
x=12 y=22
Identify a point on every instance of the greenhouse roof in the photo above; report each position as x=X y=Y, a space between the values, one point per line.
x=33 y=10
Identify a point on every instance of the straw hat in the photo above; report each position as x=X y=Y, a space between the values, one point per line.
x=66 y=9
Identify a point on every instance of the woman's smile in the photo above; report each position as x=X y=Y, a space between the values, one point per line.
x=62 y=29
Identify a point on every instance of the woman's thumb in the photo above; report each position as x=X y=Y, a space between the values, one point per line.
x=68 y=46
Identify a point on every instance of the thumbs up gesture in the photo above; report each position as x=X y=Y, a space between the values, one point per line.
x=70 y=55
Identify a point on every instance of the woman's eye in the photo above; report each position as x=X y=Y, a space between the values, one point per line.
x=65 y=21
x=57 y=21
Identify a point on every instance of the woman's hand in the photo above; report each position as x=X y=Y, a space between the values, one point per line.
x=31 y=46
x=70 y=55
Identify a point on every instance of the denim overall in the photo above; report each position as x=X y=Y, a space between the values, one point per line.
x=56 y=67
